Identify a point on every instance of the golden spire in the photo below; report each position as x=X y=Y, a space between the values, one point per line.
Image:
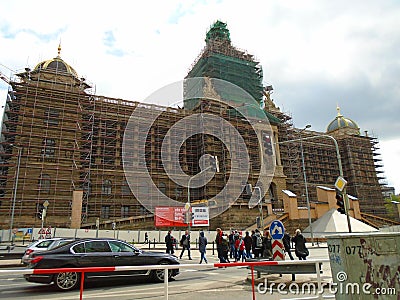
x=59 y=49
x=338 y=110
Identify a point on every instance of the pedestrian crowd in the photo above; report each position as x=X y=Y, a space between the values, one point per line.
x=237 y=247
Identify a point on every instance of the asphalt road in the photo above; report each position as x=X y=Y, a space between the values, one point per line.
x=211 y=283
x=189 y=284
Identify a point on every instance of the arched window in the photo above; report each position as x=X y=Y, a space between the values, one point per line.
x=106 y=188
x=44 y=183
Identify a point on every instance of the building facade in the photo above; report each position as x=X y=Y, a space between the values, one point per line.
x=59 y=137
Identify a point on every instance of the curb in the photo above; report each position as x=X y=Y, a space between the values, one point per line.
x=16 y=264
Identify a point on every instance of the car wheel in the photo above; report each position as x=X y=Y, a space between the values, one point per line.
x=67 y=281
x=158 y=275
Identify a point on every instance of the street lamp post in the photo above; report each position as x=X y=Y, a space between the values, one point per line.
x=15 y=193
x=339 y=160
x=305 y=184
x=260 y=206
x=213 y=165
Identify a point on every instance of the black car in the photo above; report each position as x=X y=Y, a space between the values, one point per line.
x=97 y=253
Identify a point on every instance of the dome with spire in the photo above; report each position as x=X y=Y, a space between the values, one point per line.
x=340 y=122
x=57 y=65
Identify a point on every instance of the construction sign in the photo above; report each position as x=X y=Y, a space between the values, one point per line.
x=45 y=233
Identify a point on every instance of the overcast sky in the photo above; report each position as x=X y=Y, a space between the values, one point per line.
x=316 y=54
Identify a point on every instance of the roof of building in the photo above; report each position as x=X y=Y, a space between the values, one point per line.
x=341 y=122
x=56 y=64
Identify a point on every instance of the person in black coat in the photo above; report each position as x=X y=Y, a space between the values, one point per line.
x=185 y=244
x=169 y=243
x=286 y=244
x=300 y=248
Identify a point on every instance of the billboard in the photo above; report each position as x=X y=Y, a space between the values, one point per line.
x=166 y=216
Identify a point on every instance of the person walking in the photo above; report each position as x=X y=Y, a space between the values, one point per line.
x=218 y=243
x=257 y=243
x=202 y=247
x=146 y=237
x=241 y=249
x=185 y=244
x=300 y=248
x=169 y=243
x=286 y=244
x=267 y=245
x=232 y=244
x=247 y=244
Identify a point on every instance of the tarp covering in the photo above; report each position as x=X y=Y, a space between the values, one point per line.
x=334 y=222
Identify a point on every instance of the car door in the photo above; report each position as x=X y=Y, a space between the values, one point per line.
x=95 y=253
x=127 y=255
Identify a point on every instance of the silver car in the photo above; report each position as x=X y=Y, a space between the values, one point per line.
x=43 y=245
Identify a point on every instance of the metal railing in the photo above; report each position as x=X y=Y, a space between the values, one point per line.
x=251 y=265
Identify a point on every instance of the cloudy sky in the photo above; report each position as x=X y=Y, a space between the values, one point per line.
x=316 y=54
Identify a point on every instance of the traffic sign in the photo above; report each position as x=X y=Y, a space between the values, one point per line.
x=340 y=183
x=277 y=230
x=277 y=250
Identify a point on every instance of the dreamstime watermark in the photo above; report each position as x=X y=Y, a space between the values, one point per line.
x=231 y=124
x=311 y=288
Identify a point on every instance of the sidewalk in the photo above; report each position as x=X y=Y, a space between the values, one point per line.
x=11 y=263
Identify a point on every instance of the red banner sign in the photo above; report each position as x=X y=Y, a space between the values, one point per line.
x=169 y=216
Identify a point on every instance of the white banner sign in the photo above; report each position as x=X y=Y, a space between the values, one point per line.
x=201 y=216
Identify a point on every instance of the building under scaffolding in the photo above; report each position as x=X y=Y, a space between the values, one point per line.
x=59 y=137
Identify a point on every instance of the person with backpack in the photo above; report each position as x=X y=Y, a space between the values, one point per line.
x=202 y=247
x=185 y=244
x=225 y=248
x=257 y=243
x=236 y=247
x=241 y=249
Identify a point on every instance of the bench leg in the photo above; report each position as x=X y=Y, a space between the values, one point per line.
x=293 y=277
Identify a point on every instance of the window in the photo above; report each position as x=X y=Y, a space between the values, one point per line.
x=125 y=211
x=44 y=183
x=80 y=248
x=105 y=212
x=178 y=192
x=51 y=116
x=49 y=147
x=106 y=188
x=97 y=246
x=120 y=247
